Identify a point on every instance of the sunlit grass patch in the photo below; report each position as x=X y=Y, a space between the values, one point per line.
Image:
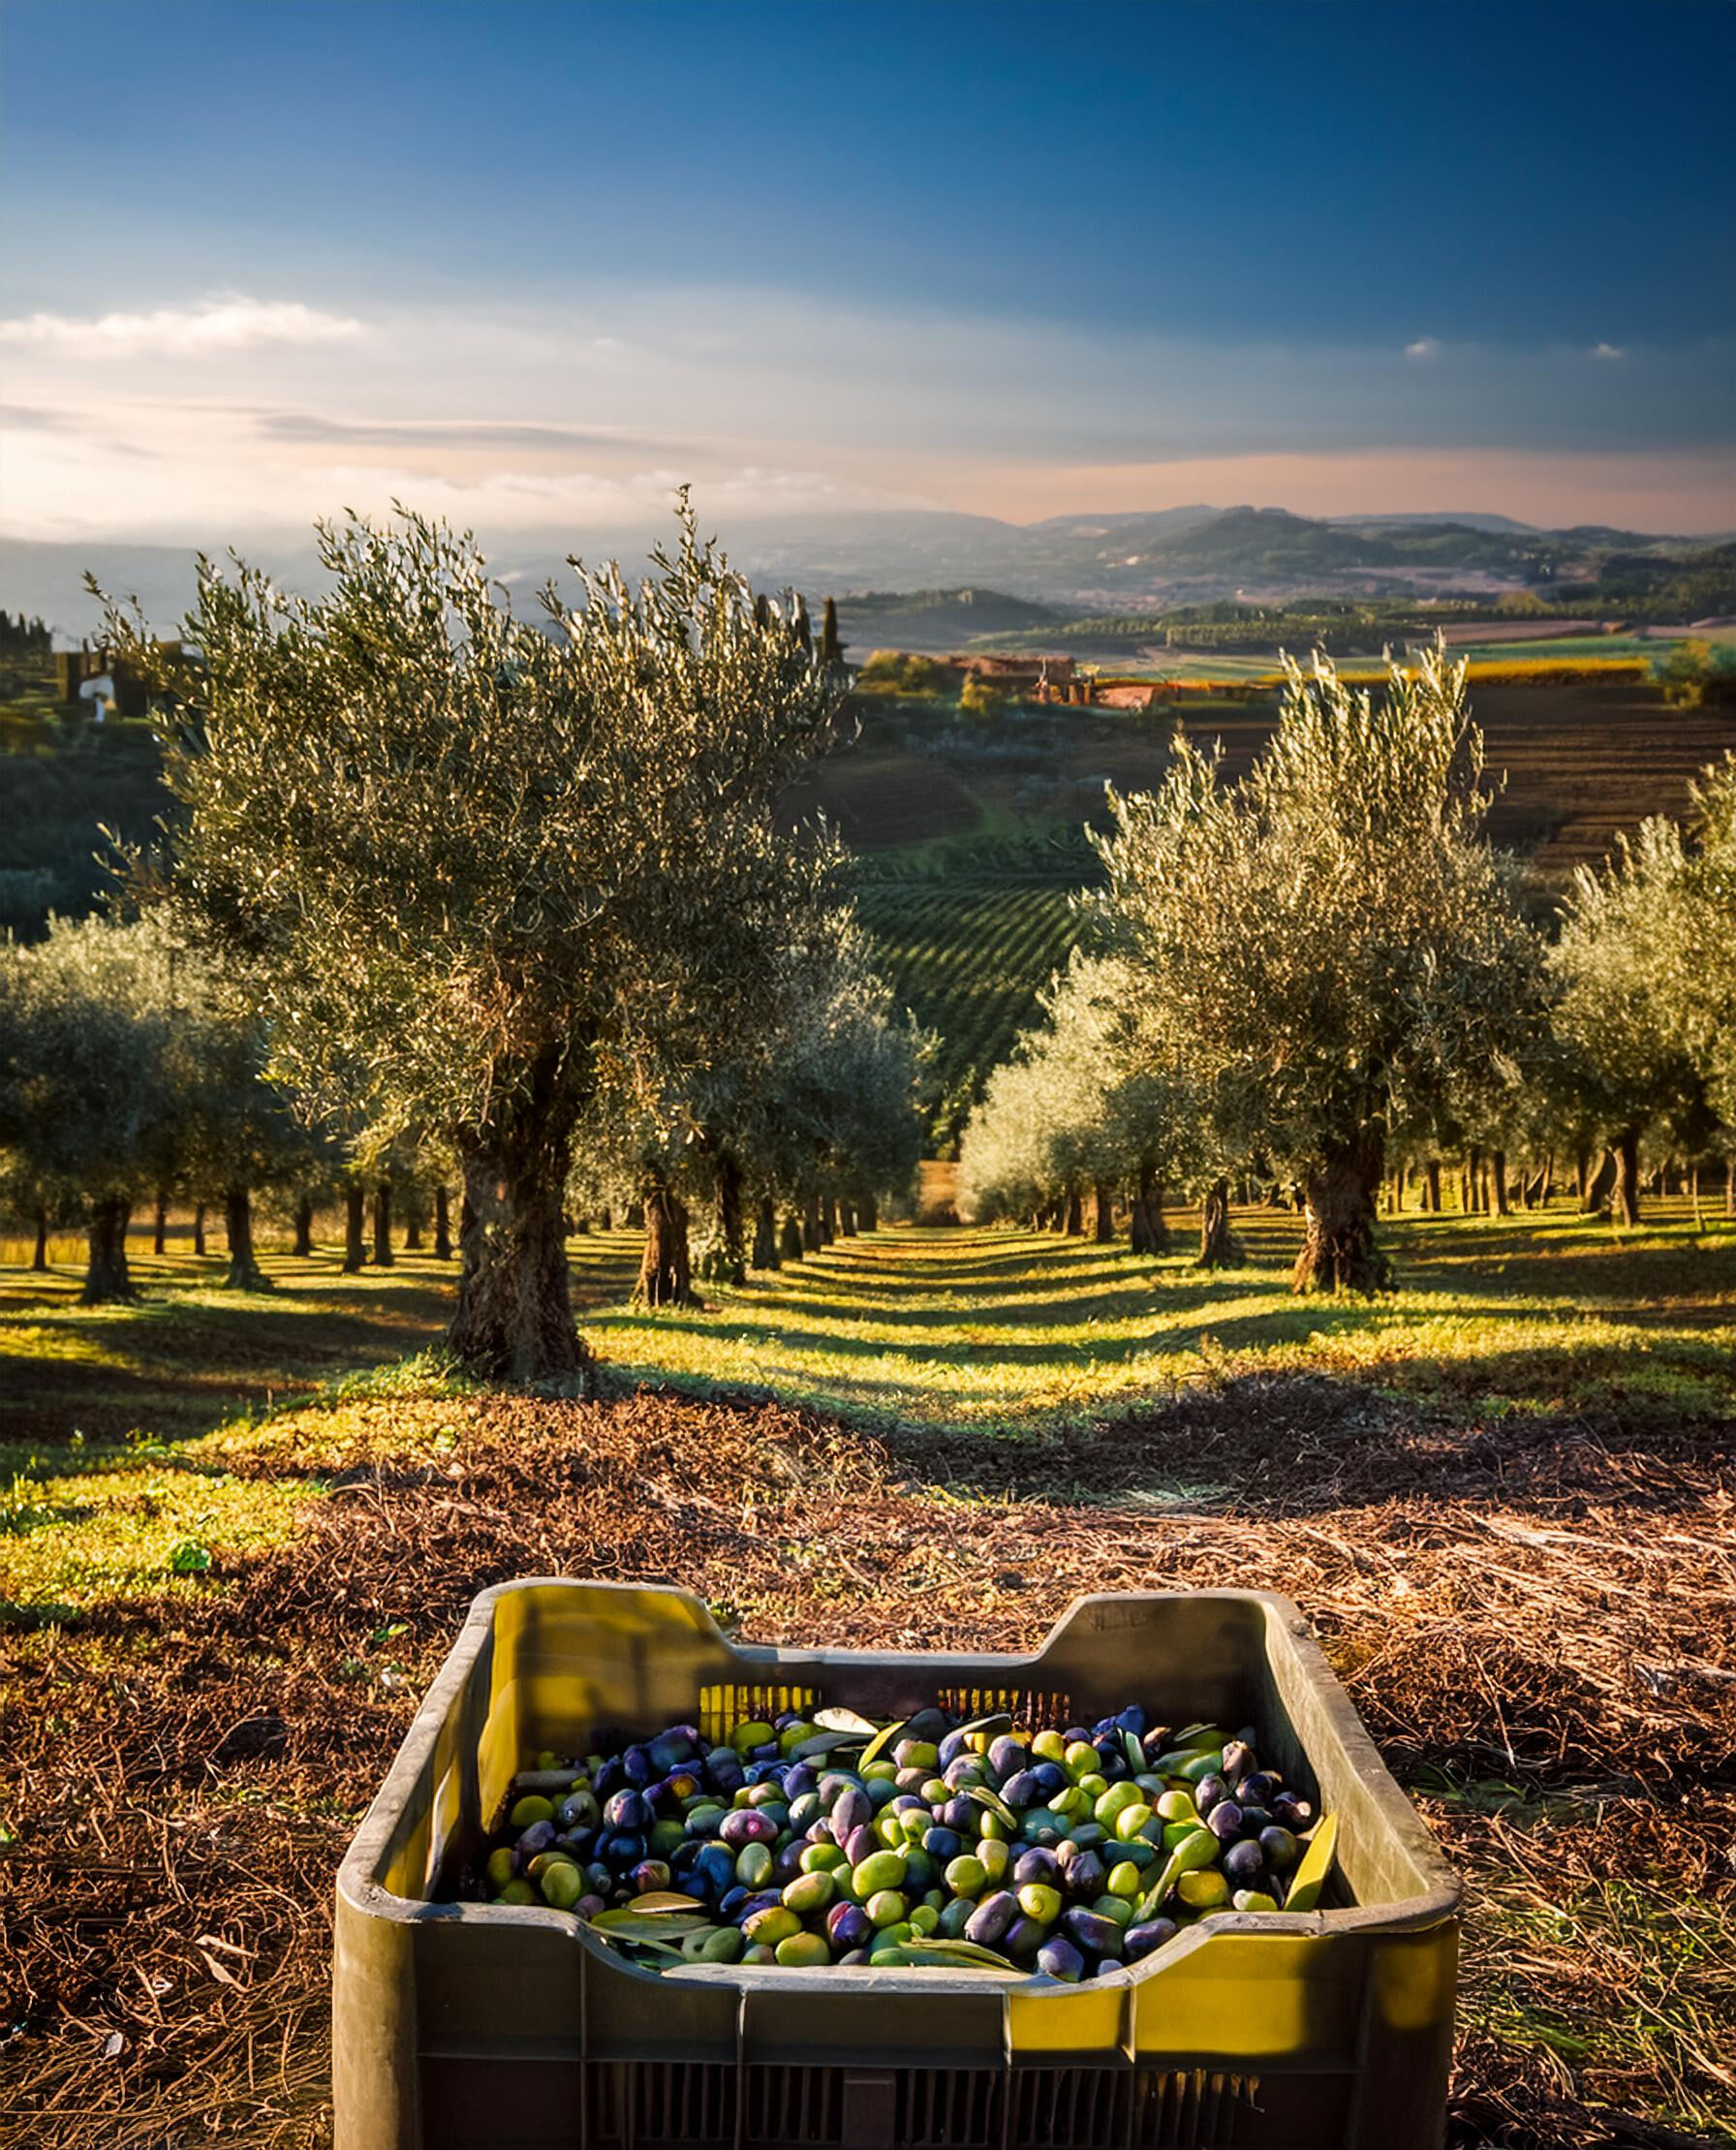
x=163 y=1525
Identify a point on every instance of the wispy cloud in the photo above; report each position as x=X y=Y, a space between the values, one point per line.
x=212 y=327
x=478 y=433
x=1425 y=347
x=1607 y=351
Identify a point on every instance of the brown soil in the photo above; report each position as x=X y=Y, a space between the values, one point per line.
x=1545 y=1605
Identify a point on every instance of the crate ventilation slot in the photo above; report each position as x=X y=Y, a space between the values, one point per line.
x=721 y=1708
x=1031 y=1707
x=703 y=2105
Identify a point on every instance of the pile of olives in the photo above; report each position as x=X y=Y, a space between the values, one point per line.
x=831 y=1840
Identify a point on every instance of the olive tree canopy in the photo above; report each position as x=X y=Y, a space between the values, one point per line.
x=1329 y=945
x=455 y=852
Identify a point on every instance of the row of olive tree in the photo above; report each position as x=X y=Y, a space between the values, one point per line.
x=1324 y=969
x=511 y=888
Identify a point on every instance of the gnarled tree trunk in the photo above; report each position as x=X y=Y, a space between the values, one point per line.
x=199 y=1228
x=1339 y=1253
x=443 y=1224
x=847 y=1219
x=725 y=1260
x=245 y=1273
x=355 y=1251
x=107 y=1276
x=159 y=1226
x=828 y=1220
x=384 y=1257
x=513 y=1321
x=1103 y=1204
x=304 y=1226
x=1624 y=1190
x=1431 y=1180
x=665 y=1268
x=765 y=1236
x=1497 y=1182
x=1072 y=1215
x=868 y=1214
x=791 y=1246
x=413 y=1225
x=39 y=1260
x=1148 y=1233
x=1218 y=1246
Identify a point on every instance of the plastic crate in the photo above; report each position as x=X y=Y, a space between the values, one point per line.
x=497 y=2027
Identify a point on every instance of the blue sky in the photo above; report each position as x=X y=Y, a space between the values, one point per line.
x=538 y=259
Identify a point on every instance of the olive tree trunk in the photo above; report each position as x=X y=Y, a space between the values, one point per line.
x=725 y=1258
x=813 y=1226
x=1339 y=1253
x=828 y=1220
x=304 y=1226
x=1624 y=1190
x=790 y=1240
x=1147 y=1233
x=107 y=1276
x=868 y=1214
x=355 y=1251
x=1431 y=1183
x=847 y=1219
x=245 y=1273
x=1103 y=1204
x=1497 y=1183
x=1731 y=1185
x=443 y=1224
x=513 y=1320
x=384 y=1257
x=764 y=1254
x=1072 y=1216
x=199 y=1228
x=159 y=1226
x=1218 y=1246
x=413 y=1226
x=39 y=1260
x=665 y=1268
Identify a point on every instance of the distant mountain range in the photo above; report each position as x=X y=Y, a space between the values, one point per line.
x=1113 y=563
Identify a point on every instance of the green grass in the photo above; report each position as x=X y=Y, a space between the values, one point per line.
x=1022 y=1331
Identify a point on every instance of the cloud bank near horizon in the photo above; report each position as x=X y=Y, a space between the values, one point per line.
x=228 y=413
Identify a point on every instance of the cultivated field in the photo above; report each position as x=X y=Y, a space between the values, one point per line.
x=1504 y=1496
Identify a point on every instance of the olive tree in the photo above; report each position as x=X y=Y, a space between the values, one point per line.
x=91 y=1112
x=455 y=852
x=1330 y=943
x=1647 y=966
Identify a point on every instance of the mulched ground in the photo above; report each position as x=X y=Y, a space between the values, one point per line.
x=1542 y=1605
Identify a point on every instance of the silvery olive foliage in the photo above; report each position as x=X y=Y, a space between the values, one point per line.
x=90 y=1107
x=1090 y=1095
x=1330 y=947
x=459 y=857
x=1647 y=968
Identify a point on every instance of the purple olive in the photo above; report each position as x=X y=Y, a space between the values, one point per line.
x=1257 y=1791
x=1037 y=1865
x=959 y=1814
x=1208 y=1791
x=1090 y=1931
x=747 y=1826
x=1023 y=1939
x=799 y=1778
x=538 y=1838
x=1061 y=1960
x=993 y=1917
x=861 y=1844
x=1006 y=1757
x=1139 y=1940
x=639 y=1767
x=1022 y=1789
x=1244 y=1865
x=1050 y=1778
x=627 y=1810
x=731 y=1902
x=649 y=1875
x=855 y=1959
x=848 y=1926
x=609 y=1777
x=1083 y=1875
x=1280 y=1848
x=950 y=1748
x=1238 y=1759
x=943 y=1844
x=1224 y=1820
x=852 y=1808
x=1131 y=1720
x=724 y=1769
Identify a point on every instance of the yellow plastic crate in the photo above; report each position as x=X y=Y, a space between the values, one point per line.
x=462 y=2026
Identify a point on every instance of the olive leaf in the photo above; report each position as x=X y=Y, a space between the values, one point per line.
x=881 y=1741
x=1309 y=1877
